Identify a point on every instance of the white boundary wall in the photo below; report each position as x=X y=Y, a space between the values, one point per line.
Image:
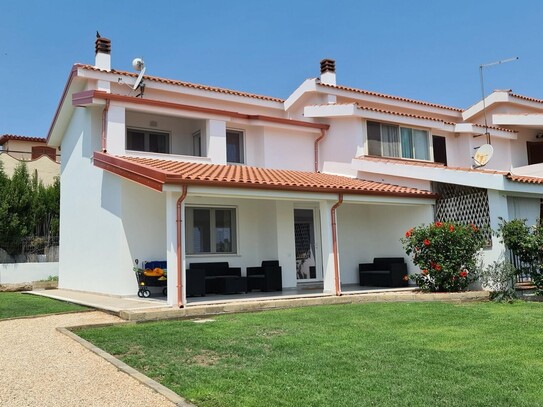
x=13 y=273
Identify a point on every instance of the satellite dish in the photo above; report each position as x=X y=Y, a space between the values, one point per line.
x=139 y=66
x=483 y=155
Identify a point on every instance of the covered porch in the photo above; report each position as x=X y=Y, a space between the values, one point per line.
x=318 y=227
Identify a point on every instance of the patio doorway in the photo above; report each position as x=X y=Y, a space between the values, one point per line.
x=307 y=251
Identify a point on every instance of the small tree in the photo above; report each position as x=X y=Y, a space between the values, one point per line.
x=527 y=244
x=446 y=253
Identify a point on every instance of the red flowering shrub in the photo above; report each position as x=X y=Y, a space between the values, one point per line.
x=446 y=253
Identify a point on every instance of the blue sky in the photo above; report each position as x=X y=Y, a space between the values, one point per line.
x=427 y=50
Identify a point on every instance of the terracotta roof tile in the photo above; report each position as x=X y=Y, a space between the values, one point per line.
x=6 y=137
x=402 y=99
x=415 y=116
x=401 y=161
x=530 y=99
x=494 y=128
x=525 y=178
x=184 y=84
x=178 y=172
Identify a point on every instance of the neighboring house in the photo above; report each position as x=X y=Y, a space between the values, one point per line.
x=325 y=180
x=39 y=158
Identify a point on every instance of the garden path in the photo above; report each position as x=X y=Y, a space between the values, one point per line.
x=40 y=366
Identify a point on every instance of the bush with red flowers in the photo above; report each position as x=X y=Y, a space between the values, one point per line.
x=446 y=254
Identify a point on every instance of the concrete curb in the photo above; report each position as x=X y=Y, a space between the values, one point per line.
x=271 y=304
x=164 y=391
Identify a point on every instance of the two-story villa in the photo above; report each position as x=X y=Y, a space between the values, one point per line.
x=329 y=178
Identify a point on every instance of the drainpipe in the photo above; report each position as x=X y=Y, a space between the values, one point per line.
x=334 y=244
x=104 y=124
x=180 y=303
x=323 y=133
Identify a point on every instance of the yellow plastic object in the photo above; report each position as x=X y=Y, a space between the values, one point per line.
x=156 y=272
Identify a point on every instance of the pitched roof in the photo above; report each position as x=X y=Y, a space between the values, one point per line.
x=155 y=173
x=399 y=98
x=401 y=161
x=528 y=98
x=184 y=84
x=525 y=178
x=6 y=137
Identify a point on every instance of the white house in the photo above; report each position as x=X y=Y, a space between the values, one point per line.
x=329 y=178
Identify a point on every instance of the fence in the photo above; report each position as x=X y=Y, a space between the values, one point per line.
x=30 y=250
x=523 y=276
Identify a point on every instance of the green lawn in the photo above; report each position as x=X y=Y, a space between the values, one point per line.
x=14 y=305
x=382 y=354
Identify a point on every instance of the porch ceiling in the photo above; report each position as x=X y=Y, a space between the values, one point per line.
x=155 y=173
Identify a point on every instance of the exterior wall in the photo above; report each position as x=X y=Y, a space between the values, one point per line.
x=368 y=231
x=26 y=272
x=90 y=209
x=343 y=141
x=286 y=149
x=265 y=231
x=46 y=169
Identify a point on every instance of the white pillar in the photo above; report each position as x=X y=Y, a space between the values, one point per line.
x=115 y=131
x=327 y=248
x=285 y=242
x=216 y=141
x=171 y=252
x=497 y=204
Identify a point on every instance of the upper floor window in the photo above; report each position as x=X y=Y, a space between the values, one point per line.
x=147 y=140
x=234 y=146
x=388 y=140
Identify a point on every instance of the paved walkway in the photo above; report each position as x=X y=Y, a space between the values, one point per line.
x=40 y=366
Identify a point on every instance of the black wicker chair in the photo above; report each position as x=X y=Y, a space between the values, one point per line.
x=267 y=277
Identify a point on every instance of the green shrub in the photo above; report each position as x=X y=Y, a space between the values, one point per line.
x=446 y=253
x=527 y=244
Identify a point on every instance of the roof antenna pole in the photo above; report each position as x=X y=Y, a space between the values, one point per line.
x=503 y=61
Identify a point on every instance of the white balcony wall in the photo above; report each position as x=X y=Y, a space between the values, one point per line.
x=343 y=141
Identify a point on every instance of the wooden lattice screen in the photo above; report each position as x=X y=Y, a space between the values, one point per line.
x=457 y=203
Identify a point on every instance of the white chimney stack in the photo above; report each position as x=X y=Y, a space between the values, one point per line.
x=328 y=77
x=328 y=71
x=103 y=53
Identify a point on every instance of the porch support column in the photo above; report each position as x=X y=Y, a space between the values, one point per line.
x=329 y=278
x=171 y=248
x=497 y=204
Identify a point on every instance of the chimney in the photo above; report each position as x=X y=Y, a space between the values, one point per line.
x=328 y=71
x=103 y=52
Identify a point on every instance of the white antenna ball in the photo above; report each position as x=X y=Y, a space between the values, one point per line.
x=138 y=64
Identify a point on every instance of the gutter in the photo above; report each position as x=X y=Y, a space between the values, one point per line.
x=334 y=244
x=323 y=133
x=180 y=302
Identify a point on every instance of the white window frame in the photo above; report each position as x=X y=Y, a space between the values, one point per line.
x=189 y=222
x=146 y=134
x=241 y=134
x=400 y=127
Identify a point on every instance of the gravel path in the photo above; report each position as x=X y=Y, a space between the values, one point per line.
x=40 y=366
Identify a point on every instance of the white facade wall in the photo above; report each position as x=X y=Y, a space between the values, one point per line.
x=285 y=149
x=91 y=233
x=368 y=231
x=343 y=141
x=14 y=273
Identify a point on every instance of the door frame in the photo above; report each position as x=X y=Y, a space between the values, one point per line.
x=316 y=245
